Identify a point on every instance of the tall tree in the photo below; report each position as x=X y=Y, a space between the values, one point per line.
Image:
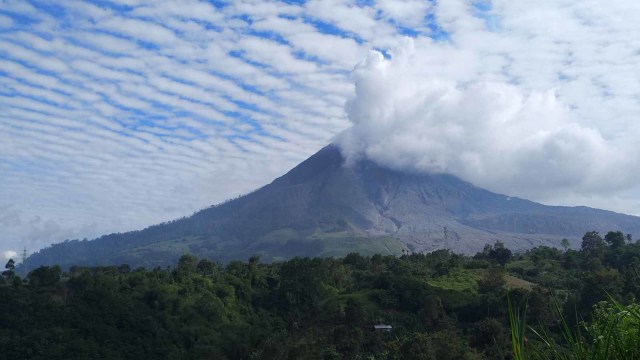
x=500 y=254
x=615 y=239
x=10 y=266
x=592 y=245
x=187 y=263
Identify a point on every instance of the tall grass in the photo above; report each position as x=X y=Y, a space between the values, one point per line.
x=517 y=321
x=613 y=334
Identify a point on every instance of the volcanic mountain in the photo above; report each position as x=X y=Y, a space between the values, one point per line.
x=323 y=207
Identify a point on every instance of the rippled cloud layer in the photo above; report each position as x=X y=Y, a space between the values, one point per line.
x=118 y=114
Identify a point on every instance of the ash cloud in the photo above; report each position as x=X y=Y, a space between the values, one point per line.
x=495 y=135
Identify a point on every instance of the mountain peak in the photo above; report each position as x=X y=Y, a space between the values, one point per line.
x=327 y=159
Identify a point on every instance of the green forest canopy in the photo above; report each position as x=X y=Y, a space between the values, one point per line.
x=440 y=305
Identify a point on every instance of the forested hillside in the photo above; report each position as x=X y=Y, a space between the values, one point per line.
x=439 y=305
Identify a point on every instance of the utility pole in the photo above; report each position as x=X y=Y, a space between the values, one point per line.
x=24 y=255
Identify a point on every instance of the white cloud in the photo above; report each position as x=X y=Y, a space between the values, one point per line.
x=141 y=30
x=492 y=134
x=273 y=54
x=410 y=13
x=5 y=21
x=358 y=20
x=115 y=119
x=10 y=254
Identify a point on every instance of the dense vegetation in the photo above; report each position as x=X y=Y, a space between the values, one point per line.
x=440 y=305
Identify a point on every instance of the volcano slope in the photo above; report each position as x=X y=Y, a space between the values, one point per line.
x=324 y=208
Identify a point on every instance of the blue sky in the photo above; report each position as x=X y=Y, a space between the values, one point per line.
x=119 y=114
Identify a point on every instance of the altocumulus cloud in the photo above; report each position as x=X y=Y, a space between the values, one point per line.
x=120 y=114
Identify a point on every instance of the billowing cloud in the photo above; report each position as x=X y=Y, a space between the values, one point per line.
x=496 y=135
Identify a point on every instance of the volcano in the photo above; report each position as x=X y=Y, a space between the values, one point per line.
x=324 y=207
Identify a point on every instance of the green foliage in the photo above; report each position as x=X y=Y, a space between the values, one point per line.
x=45 y=276
x=615 y=239
x=441 y=306
x=11 y=265
x=612 y=333
x=497 y=253
x=615 y=330
x=592 y=245
x=10 y=268
x=459 y=280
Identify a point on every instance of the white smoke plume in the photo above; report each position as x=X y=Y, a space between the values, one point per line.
x=495 y=135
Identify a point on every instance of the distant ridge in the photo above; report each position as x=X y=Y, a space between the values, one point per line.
x=324 y=208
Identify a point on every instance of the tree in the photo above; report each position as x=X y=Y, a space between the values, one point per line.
x=187 y=263
x=207 y=267
x=489 y=336
x=592 y=245
x=598 y=284
x=348 y=340
x=492 y=281
x=433 y=315
x=447 y=345
x=500 y=254
x=45 y=276
x=302 y=284
x=417 y=346
x=565 y=244
x=615 y=239
x=124 y=269
x=10 y=266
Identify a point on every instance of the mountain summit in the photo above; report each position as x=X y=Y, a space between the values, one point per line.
x=323 y=207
